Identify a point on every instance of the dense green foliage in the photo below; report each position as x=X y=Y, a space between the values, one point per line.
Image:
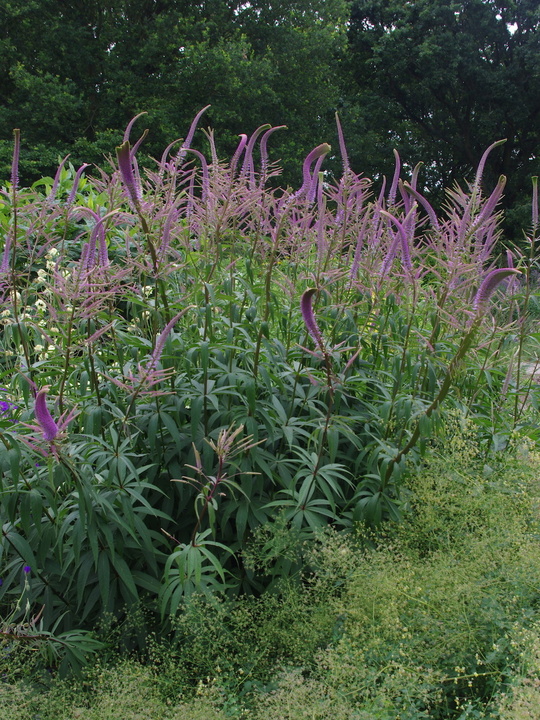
x=444 y=79
x=72 y=73
x=191 y=358
x=437 y=618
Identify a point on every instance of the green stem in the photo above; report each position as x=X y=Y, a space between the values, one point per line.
x=441 y=395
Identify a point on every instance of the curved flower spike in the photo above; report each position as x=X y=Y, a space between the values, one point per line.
x=309 y=317
x=480 y=170
x=127 y=132
x=123 y=154
x=316 y=153
x=15 y=161
x=342 y=146
x=489 y=284
x=46 y=422
x=264 y=146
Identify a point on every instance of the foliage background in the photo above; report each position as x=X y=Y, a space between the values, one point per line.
x=439 y=80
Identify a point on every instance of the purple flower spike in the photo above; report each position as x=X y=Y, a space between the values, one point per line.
x=395 y=180
x=186 y=145
x=127 y=132
x=319 y=151
x=56 y=180
x=27 y=569
x=162 y=339
x=48 y=426
x=309 y=317
x=123 y=153
x=75 y=186
x=264 y=147
x=489 y=284
x=342 y=146
x=238 y=152
x=15 y=161
x=535 y=203
x=405 y=250
x=480 y=170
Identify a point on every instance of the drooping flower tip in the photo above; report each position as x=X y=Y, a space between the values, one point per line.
x=124 y=157
x=489 y=284
x=309 y=316
x=46 y=422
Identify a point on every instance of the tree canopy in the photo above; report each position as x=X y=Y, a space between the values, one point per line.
x=439 y=80
x=442 y=80
x=74 y=73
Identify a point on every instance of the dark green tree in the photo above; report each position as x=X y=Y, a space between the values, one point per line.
x=73 y=73
x=441 y=80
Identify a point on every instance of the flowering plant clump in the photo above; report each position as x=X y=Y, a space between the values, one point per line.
x=192 y=354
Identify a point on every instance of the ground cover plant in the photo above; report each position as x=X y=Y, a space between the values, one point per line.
x=201 y=374
x=435 y=618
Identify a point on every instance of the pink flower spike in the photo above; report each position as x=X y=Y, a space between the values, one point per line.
x=489 y=284
x=162 y=339
x=48 y=426
x=15 y=161
x=535 y=203
x=316 y=153
x=342 y=146
x=186 y=145
x=395 y=180
x=123 y=153
x=127 y=132
x=309 y=317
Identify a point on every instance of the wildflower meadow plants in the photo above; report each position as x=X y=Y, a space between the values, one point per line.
x=189 y=353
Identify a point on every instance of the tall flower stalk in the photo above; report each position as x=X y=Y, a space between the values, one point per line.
x=483 y=294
